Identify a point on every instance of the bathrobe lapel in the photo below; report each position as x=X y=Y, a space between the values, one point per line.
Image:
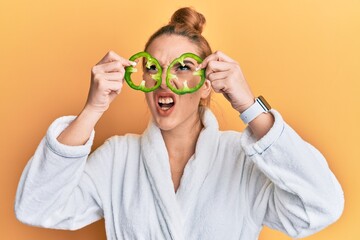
x=198 y=167
x=156 y=162
x=174 y=208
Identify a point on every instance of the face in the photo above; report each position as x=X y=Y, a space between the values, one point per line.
x=169 y=110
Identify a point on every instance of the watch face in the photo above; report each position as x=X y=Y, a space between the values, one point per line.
x=264 y=103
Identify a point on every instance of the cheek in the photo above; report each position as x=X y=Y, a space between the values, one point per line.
x=149 y=98
x=191 y=100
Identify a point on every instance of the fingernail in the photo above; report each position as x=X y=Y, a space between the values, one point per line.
x=133 y=63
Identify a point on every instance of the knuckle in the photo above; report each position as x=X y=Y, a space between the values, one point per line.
x=211 y=76
x=237 y=67
x=211 y=64
x=93 y=71
x=97 y=77
x=101 y=84
x=113 y=55
x=218 y=53
x=117 y=64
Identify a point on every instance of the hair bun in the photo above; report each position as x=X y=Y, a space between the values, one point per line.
x=188 y=17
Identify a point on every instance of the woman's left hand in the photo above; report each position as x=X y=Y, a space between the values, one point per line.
x=227 y=78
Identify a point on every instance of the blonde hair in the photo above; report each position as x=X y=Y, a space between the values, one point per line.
x=188 y=23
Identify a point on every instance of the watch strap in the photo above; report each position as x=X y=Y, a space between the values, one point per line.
x=260 y=106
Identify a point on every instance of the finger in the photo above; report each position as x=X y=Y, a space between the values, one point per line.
x=219 y=86
x=215 y=66
x=112 y=56
x=213 y=76
x=116 y=66
x=113 y=76
x=216 y=56
x=114 y=86
x=109 y=57
x=223 y=57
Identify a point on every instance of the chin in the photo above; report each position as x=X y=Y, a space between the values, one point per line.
x=164 y=124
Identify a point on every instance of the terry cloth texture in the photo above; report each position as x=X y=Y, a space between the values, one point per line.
x=231 y=186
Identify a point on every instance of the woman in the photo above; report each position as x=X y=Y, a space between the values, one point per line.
x=182 y=178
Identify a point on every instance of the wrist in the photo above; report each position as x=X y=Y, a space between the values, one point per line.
x=79 y=131
x=92 y=110
x=89 y=116
x=259 y=106
x=242 y=108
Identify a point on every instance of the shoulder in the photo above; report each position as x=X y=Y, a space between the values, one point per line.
x=123 y=140
x=229 y=148
x=230 y=138
x=113 y=154
x=116 y=147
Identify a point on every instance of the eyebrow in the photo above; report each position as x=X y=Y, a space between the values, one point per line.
x=186 y=62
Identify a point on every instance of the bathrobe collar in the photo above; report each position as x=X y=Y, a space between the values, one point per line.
x=176 y=206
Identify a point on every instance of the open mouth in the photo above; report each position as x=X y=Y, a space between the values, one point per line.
x=165 y=103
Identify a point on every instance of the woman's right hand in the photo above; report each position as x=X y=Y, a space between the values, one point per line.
x=107 y=78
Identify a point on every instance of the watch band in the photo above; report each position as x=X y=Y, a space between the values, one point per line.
x=260 y=106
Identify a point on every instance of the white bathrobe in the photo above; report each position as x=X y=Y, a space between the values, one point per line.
x=231 y=186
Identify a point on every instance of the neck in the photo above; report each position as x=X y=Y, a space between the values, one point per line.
x=181 y=141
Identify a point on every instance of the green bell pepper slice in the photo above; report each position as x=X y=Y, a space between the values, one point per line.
x=150 y=61
x=199 y=72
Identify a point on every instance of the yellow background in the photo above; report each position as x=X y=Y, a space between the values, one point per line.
x=303 y=56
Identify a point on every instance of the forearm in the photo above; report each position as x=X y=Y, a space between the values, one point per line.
x=79 y=130
x=46 y=184
x=261 y=124
x=51 y=192
x=305 y=192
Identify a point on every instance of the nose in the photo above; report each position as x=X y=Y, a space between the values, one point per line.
x=163 y=79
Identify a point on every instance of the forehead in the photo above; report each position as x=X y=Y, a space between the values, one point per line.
x=168 y=47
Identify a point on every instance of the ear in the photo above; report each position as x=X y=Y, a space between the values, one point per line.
x=205 y=89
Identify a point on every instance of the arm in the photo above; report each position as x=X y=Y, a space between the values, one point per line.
x=261 y=124
x=227 y=78
x=55 y=189
x=106 y=83
x=290 y=187
x=79 y=130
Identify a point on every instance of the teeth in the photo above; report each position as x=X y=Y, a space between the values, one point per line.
x=165 y=100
